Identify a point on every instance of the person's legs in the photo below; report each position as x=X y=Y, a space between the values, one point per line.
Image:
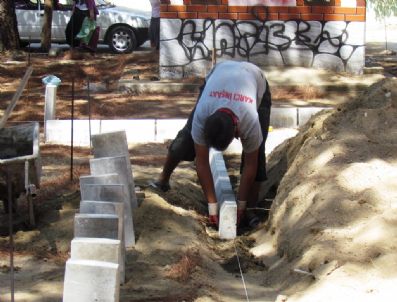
x=261 y=176
x=170 y=164
x=154 y=32
x=74 y=26
x=157 y=34
x=151 y=32
x=181 y=149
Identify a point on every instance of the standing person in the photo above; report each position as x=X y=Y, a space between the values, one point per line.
x=234 y=103
x=154 y=29
x=81 y=9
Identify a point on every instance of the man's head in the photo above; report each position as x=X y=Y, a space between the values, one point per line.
x=220 y=128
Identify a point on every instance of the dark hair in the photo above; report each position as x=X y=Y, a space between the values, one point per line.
x=219 y=130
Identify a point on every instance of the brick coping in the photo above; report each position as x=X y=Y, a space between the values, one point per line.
x=264 y=13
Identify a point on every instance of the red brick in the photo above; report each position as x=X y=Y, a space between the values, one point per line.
x=334 y=17
x=259 y=9
x=196 y=8
x=164 y=8
x=272 y=16
x=237 y=9
x=217 y=8
x=228 y=16
x=278 y=9
x=345 y=10
x=187 y=15
x=359 y=18
x=165 y=1
x=300 y=2
x=176 y=8
x=285 y=17
x=246 y=16
x=300 y=9
x=187 y=2
x=206 y=15
x=167 y=15
x=361 y=11
x=213 y=2
x=225 y=2
x=338 y=2
x=312 y=17
x=361 y=3
x=323 y=9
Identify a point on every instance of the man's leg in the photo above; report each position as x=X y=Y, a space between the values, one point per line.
x=264 y=119
x=181 y=149
x=170 y=164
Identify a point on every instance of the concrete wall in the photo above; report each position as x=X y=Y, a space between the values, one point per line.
x=265 y=32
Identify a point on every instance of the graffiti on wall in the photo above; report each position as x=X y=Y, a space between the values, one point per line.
x=259 y=40
x=338 y=44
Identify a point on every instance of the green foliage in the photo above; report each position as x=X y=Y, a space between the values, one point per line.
x=384 y=8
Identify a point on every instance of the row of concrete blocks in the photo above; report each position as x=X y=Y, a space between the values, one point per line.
x=103 y=228
x=156 y=130
x=225 y=196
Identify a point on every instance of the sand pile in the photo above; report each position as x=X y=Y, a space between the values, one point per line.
x=331 y=234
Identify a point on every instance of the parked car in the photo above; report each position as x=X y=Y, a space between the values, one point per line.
x=123 y=29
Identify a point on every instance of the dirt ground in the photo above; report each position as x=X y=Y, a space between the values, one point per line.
x=330 y=235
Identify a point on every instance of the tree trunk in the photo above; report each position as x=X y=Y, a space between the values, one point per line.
x=8 y=30
x=46 y=30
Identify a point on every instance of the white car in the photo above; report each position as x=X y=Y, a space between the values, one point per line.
x=123 y=29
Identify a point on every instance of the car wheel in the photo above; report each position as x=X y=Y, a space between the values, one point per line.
x=122 y=39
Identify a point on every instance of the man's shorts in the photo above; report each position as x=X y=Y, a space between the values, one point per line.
x=182 y=147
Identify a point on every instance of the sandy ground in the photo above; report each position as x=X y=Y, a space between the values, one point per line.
x=332 y=226
x=330 y=235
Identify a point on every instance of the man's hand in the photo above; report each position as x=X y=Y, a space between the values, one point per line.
x=240 y=216
x=213 y=213
x=214 y=220
x=241 y=205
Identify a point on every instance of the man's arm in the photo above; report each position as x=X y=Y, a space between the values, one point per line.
x=246 y=181
x=205 y=176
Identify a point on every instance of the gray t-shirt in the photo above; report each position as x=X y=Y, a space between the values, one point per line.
x=238 y=86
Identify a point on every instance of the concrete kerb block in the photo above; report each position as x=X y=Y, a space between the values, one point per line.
x=228 y=220
x=88 y=280
x=105 y=207
x=96 y=226
x=119 y=165
x=115 y=144
x=284 y=118
x=100 y=249
x=224 y=195
x=304 y=114
x=97 y=249
x=110 y=144
x=104 y=179
x=112 y=193
x=104 y=192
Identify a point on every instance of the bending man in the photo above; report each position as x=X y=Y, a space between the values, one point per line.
x=234 y=103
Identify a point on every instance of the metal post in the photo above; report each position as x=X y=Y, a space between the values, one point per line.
x=29 y=190
x=71 y=134
x=11 y=222
x=89 y=109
